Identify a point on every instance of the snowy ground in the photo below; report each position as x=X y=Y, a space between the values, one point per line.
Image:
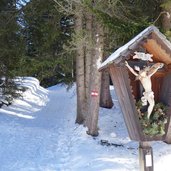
x=38 y=133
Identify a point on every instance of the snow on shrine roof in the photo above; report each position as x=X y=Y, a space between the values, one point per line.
x=112 y=58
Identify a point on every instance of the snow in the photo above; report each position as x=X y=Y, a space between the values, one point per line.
x=118 y=52
x=38 y=133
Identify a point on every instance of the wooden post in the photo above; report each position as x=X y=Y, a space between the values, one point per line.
x=145 y=157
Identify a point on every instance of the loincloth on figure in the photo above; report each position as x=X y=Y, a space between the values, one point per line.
x=146 y=97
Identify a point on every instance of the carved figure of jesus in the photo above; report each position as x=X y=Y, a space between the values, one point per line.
x=144 y=76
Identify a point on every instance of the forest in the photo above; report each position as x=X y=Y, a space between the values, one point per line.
x=64 y=41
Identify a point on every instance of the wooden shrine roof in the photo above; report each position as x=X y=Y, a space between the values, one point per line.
x=151 y=40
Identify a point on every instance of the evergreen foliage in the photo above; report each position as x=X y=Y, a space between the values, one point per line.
x=44 y=41
x=155 y=126
x=35 y=36
x=166 y=4
x=11 y=50
x=124 y=19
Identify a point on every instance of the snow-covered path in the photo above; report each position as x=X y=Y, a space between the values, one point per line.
x=38 y=133
x=35 y=139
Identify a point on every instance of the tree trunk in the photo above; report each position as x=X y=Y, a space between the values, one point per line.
x=166 y=21
x=105 y=96
x=80 y=78
x=95 y=80
x=88 y=56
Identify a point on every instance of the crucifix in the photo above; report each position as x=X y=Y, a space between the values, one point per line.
x=144 y=75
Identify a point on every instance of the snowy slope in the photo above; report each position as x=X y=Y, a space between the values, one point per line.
x=38 y=133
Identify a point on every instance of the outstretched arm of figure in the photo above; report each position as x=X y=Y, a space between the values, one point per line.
x=127 y=65
x=154 y=68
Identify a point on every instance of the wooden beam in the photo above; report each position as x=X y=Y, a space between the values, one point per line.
x=159 y=54
x=146 y=157
x=161 y=41
x=126 y=101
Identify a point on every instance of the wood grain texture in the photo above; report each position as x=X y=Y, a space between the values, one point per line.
x=123 y=88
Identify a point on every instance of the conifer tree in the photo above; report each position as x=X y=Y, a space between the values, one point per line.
x=11 y=50
x=122 y=20
x=44 y=39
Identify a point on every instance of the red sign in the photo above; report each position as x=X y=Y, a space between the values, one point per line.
x=94 y=93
